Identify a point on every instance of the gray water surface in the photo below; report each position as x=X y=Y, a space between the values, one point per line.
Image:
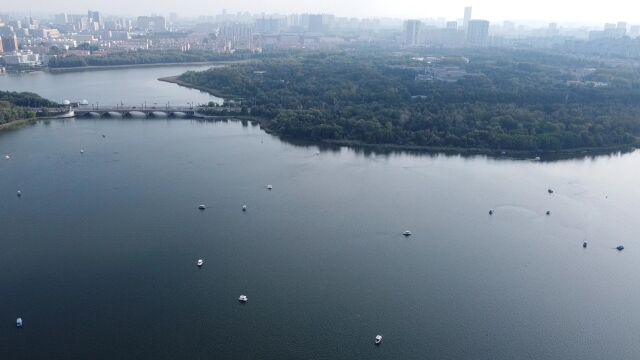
x=132 y=86
x=98 y=255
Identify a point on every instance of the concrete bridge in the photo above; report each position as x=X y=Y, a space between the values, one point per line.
x=134 y=111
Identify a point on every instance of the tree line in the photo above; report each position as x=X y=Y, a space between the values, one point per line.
x=508 y=100
x=147 y=57
x=20 y=105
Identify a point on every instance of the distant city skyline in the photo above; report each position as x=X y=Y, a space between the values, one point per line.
x=572 y=11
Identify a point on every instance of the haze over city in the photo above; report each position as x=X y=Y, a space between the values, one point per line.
x=572 y=11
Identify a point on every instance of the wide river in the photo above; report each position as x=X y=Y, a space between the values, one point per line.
x=98 y=255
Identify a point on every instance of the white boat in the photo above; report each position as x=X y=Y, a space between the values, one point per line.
x=243 y=298
x=407 y=233
x=19 y=193
x=269 y=187
x=244 y=207
x=200 y=262
x=202 y=207
x=7 y=157
x=81 y=151
x=537 y=158
x=19 y=322
x=378 y=339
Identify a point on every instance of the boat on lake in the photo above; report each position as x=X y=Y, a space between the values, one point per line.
x=378 y=339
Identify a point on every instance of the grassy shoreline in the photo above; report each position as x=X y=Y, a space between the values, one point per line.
x=15 y=124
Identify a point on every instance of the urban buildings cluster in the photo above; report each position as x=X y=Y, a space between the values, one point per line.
x=468 y=31
x=26 y=41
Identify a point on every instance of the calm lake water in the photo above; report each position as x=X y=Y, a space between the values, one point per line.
x=131 y=86
x=98 y=255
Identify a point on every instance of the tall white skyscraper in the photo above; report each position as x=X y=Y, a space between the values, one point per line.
x=467 y=17
x=478 y=32
x=411 y=32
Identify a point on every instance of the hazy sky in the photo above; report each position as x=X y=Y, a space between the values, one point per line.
x=497 y=10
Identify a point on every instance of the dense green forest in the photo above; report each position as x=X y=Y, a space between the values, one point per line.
x=504 y=100
x=145 y=57
x=17 y=106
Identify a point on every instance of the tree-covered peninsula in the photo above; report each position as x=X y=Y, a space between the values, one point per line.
x=485 y=100
x=20 y=106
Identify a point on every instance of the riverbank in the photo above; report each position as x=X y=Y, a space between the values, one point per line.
x=133 y=66
x=15 y=124
x=176 y=80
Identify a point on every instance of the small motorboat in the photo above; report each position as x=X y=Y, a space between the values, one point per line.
x=378 y=339
x=548 y=212
x=104 y=136
x=200 y=262
x=19 y=322
x=620 y=248
x=537 y=158
x=7 y=157
x=407 y=233
x=550 y=191
x=491 y=212
x=202 y=207
x=244 y=207
x=19 y=193
x=269 y=187
x=584 y=244
x=81 y=151
x=243 y=298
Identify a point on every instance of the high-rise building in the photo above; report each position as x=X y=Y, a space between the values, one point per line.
x=10 y=43
x=621 y=28
x=412 y=32
x=508 y=27
x=270 y=25
x=60 y=19
x=634 y=32
x=152 y=23
x=478 y=32
x=452 y=25
x=467 y=17
x=95 y=20
x=315 y=23
x=143 y=23
x=159 y=24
